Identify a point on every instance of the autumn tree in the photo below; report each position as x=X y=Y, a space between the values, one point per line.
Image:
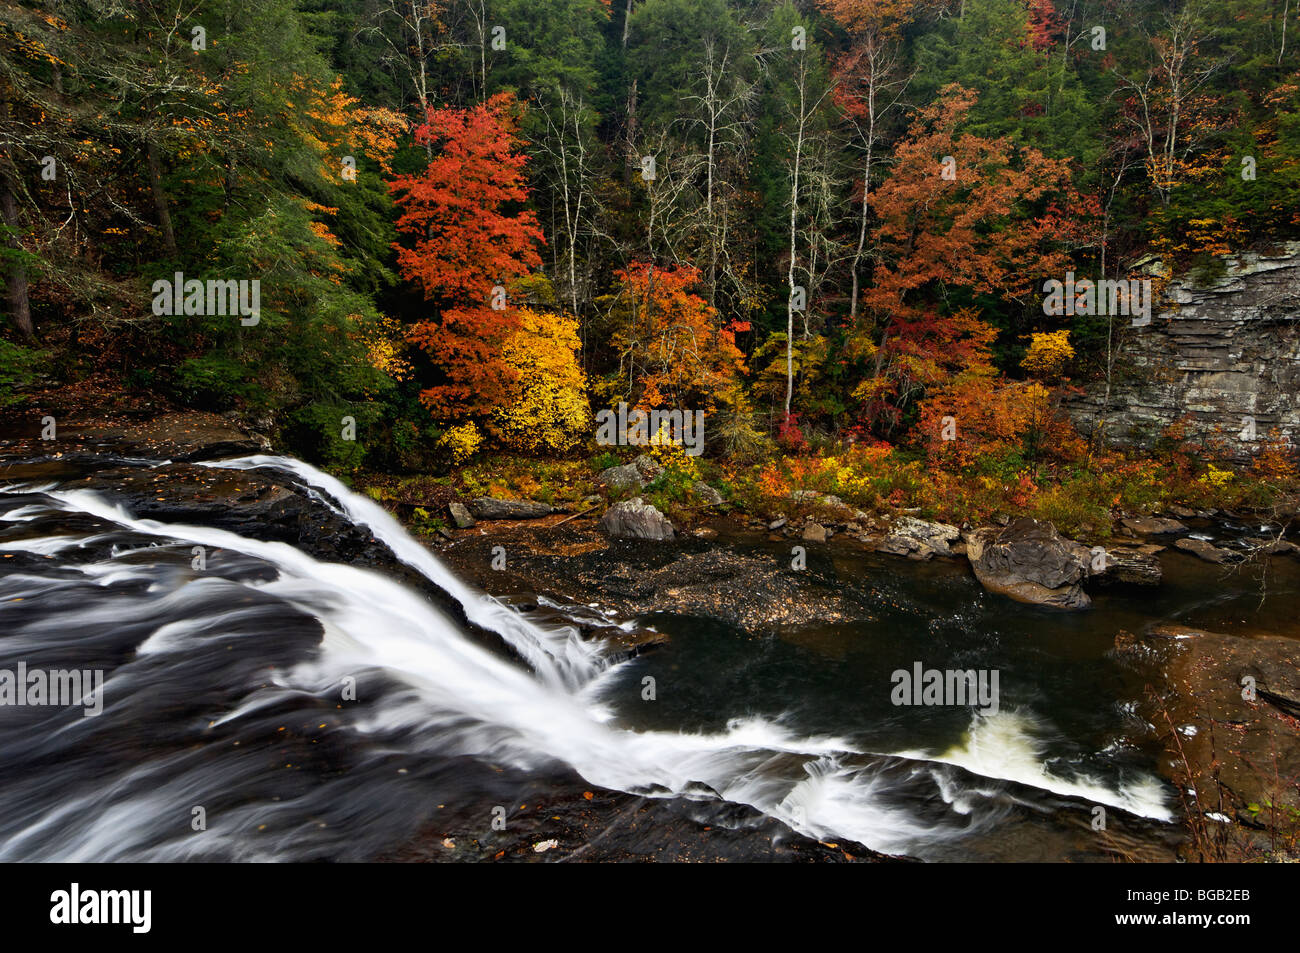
x=547 y=410
x=671 y=351
x=468 y=235
x=870 y=81
x=1164 y=101
x=962 y=219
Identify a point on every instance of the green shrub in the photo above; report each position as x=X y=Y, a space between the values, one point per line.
x=18 y=369
x=603 y=461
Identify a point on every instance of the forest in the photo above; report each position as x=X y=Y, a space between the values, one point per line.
x=452 y=233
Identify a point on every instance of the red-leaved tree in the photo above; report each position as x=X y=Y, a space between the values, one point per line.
x=470 y=234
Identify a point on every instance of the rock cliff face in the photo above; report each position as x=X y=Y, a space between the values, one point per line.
x=1224 y=352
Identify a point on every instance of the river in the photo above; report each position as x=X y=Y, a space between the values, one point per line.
x=259 y=703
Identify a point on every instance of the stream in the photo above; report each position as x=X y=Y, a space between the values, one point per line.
x=312 y=710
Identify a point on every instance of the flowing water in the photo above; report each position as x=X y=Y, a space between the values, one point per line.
x=315 y=710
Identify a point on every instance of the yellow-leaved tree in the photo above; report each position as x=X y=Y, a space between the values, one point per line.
x=549 y=411
x=1048 y=354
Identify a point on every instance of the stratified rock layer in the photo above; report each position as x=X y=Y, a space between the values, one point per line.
x=1223 y=353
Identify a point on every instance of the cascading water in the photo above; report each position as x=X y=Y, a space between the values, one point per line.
x=225 y=694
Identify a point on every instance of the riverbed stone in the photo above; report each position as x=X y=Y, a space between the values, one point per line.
x=1279 y=547
x=1236 y=737
x=460 y=514
x=815 y=533
x=895 y=545
x=1133 y=565
x=1029 y=561
x=936 y=537
x=1154 y=525
x=1203 y=549
x=636 y=519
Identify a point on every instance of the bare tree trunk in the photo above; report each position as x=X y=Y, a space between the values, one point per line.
x=708 y=216
x=1286 y=11
x=160 y=199
x=20 y=310
x=480 y=16
x=631 y=135
x=866 y=194
x=794 y=212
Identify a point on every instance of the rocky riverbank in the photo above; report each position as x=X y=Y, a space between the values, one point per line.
x=1023 y=559
x=1227 y=710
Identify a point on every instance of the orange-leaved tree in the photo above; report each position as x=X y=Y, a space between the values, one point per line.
x=672 y=350
x=961 y=217
x=981 y=417
x=470 y=234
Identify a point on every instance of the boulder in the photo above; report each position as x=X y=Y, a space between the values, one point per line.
x=649 y=469
x=1029 y=561
x=488 y=508
x=622 y=478
x=815 y=533
x=1203 y=549
x=1154 y=525
x=918 y=539
x=707 y=494
x=636 y=519
x=897 y=545
x=632 y=476
x=1279 y=547
x=460 y=515
x=934 y=536
x=1134 y=565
